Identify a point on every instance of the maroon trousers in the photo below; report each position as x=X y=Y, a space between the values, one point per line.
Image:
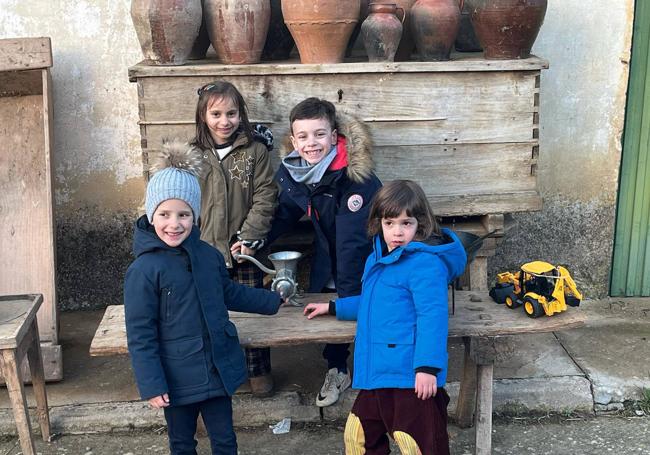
x=417 y=426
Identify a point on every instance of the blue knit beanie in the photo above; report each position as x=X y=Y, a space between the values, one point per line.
x=175 y=174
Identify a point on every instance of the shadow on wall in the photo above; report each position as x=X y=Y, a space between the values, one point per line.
x=93 y=252
x=577 y=235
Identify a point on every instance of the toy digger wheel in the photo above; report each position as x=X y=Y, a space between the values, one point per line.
x=512 y=302
x=532 y=307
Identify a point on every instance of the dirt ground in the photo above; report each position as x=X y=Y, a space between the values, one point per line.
x=580 y=436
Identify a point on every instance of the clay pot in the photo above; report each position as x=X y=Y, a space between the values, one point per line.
x=466 y=40
x=166 y=29
x=279 y=42
x=435 y=24
x=237 y=29
x=363 y=14
x=321 y=29
x=381 y=32
x=507 y=28
x=406 y=44
x=202 y=42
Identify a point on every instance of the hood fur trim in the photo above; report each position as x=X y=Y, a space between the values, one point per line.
x=179 y=154
x=358 y=144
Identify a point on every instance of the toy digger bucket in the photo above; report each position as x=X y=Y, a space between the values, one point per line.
x=472 y=242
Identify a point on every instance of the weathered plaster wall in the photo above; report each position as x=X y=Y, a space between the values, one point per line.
x=582 y=97
x=97 y=163
x=96 y=159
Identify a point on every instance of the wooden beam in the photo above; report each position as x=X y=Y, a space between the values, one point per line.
x=25 y=53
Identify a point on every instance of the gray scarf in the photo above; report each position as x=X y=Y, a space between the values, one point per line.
x=302 y=172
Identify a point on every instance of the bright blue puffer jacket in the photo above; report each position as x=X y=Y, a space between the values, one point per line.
x=402 y=312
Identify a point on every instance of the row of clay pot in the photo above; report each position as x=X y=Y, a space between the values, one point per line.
x=171 y=31
x=506 y=29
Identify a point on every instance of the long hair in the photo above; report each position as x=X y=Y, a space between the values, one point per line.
x=207 y=95
x=403 y=196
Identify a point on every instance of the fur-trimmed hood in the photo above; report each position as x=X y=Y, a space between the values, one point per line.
x=357 y=143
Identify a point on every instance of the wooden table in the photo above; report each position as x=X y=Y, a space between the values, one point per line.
x=477 y=321
x=19 y=337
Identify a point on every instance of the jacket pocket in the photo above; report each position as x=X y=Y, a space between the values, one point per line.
x=392 y=354
x=234 y=351
x=165 y=298
x=184 y=363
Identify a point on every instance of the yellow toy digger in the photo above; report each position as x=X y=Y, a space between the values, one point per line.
x=540 y=287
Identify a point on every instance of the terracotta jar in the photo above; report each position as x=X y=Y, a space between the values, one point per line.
x=466 y=40
x=237 y=29
x=166 y=29
x=406 y=44
x=363 y=13
x=202 y=42
x=382 y=31
x=507 y=28
x=435 y=24
x=321 y=29
x=279 y=42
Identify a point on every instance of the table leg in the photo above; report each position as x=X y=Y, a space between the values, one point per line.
x=38 y=382
x=14 y=381
x=467 y=389
x=484 y=409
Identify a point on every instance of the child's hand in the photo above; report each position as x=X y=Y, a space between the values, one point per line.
x=316 y=309
x=239 y=248
x=161 y=401
x=426 y=385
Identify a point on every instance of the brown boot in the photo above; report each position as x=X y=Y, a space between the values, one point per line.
x=262 y=386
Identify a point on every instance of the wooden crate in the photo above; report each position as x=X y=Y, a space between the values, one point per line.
x=27 y=248
x=466 y=129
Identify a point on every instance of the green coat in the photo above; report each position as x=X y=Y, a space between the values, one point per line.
x=237 y=194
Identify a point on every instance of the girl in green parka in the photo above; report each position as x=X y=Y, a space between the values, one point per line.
x=239 y=195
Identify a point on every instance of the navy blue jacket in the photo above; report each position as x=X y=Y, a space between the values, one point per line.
x=338 y=207
x=176 y=303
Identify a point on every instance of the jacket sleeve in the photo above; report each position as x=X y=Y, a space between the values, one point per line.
x=352 y=243
x=239 y=297
x=265 y=194
x=141 y=309
x=286 y=217
x=428 y=285
x=347 y=308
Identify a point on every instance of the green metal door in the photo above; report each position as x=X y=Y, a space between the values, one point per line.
x=631 y=263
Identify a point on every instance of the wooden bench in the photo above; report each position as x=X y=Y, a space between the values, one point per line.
x=477 y=321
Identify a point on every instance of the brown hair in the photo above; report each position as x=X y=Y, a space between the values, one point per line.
x=403 y=196
x=313 y=108
x=210 y=93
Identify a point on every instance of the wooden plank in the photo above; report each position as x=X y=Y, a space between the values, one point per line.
x=478 y=204
x=467 y=393
x=289 y=326
x=20 y=83
x=16 y=312
x=35 y=360
x=27 y=239
x=25 y=53
x=458 y=63
x=483 y=434
x=374 y=97
x=10 y=370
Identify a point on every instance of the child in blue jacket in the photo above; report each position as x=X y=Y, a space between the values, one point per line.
x=400 y=354
x=184 y=350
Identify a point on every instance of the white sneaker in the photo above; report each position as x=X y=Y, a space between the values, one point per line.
x=335 y=383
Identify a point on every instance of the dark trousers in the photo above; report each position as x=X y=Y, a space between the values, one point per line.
x=258 y=360
x=337 y=356
x=417 y=426
x=217 y=416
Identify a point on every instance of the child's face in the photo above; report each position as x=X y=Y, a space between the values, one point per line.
x=173 y=221
x=312 y=138
x=398 y=231
x=222 y=118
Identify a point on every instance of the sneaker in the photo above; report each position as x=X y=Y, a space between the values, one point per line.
x=335 y=383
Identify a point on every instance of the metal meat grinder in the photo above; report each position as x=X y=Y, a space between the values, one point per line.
x=285 y=280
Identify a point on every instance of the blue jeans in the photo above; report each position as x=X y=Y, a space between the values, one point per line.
x=217 y=416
